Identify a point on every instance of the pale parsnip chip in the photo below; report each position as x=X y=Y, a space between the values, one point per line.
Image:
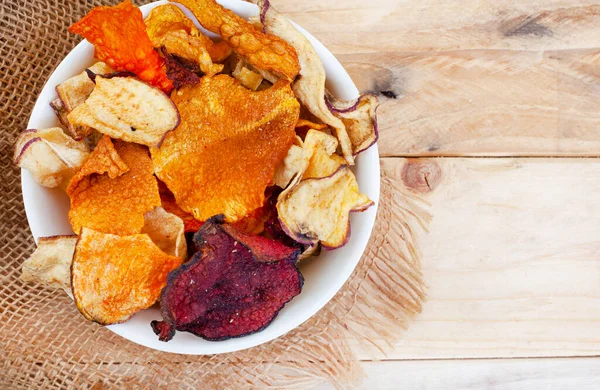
x=359 y=117
x=318 y=209
x=74 y=92
x=128 y=109
x=312 y=158
x=310 y=86
x=50 y=264
x=50 y=155
x=167 y=231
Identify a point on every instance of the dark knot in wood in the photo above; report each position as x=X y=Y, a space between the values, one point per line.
x=421 y=174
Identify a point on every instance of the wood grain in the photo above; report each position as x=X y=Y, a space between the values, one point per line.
x=509 y=374
x=512 y=258
x=471 y=78
x=476 y=103
x=358 y=26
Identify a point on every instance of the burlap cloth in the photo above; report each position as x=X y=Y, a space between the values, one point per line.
x=45 y=343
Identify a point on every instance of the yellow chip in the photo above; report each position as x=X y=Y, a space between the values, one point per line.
x=223 y=154
x=306 y=124
x=264 y=51
x=168 y=26
x=128 y=109
x=315 y=157
x=113 y=190
x=180 y=43
x=50 y=264
x=247 y=77
x=166 y=230
x=318 y=210
x=51 y=156
x=319 y=150
x=114 y=277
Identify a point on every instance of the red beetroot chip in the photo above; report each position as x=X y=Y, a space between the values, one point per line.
x=272 y=225
x=179 y=70
x=233 y=286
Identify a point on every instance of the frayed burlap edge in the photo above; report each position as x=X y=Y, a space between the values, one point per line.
x=52 y=346
x=44 y=341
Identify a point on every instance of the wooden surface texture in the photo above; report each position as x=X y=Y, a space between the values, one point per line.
x=512 y=257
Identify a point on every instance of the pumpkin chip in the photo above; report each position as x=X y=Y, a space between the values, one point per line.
x=168 y=26
x=223 y=154
x=114 y=277
x=119 y=36
x=264 y=51
x=113 y=189
x=306 y=124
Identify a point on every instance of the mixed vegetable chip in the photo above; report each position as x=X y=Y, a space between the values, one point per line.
x=200 y=171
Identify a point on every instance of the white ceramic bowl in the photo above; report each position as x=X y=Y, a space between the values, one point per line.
x=324 y=275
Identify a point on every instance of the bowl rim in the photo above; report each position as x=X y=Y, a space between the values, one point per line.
x=341 y=86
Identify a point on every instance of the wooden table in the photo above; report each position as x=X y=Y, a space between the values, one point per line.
x=480 y=98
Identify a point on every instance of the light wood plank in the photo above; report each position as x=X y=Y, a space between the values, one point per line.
x=470 y=78
x=512 y=258
x=494 y=103
x=358 y=26
x=510 y=374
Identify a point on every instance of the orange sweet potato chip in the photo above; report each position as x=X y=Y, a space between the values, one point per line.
x=182 y=44
x=190 y=224
x=223 y=154
x=168 y=18
x=165 y=18
x=113 y=189
x=303 y=123
x=119 y=36
x=114 y=277
x=264 y=51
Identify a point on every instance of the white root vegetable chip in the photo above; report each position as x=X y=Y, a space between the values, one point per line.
x=74 y=92
x=312 y=158
x=166 y=230
x=355 y=125
x=318 y=209
x=50 y=264
x=310 y=85
x=128 y=109
x=50 y=155
x=359 y=117
x=294 y=163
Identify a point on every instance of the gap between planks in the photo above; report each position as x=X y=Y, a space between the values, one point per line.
x=511 y=258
